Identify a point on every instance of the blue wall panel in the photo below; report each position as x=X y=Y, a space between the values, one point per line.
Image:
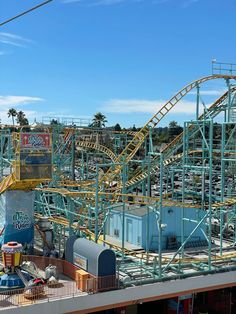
x=136 y=226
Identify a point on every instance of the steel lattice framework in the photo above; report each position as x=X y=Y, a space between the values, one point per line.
x=91 y=178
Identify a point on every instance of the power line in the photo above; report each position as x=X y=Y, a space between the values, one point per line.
x=25 y=12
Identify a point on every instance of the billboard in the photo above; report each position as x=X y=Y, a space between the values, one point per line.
x=35 y=141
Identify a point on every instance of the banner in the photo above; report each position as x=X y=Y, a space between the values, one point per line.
x=17 y=209
x=35 y=140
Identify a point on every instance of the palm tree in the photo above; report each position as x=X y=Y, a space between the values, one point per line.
x=21 y=118
x=12 y=113
x=99 y=120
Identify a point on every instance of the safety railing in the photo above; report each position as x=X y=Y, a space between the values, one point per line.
x=56 y=291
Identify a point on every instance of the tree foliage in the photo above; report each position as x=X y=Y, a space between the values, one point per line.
x=99 y=120
x=12 y=113
x=117 y=127
x=21 y=118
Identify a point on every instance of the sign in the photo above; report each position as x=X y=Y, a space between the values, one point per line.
x=18 y=216
x=21 y=220
x=35 y=140
x=80 y=261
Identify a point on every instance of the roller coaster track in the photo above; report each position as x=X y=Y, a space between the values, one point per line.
x=128 y=252
x=98 y=147
x=116 y=197
x=131 y=149
x=132 y=133
x=177 y=141
x=226 y=203
x=71 y=183
x=174 y=145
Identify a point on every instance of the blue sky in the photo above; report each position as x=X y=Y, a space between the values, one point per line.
x=122 y=57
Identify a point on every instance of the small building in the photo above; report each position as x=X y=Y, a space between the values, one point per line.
x=141 y=226
x=90 y=256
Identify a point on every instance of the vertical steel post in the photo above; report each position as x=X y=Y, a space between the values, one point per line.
x=160 y=218
x=73 y=156
x=150 y=148
x=149 y=194
x=123 y=208
x=198 y=102
x=82 y=164
x=59 y=241
x=229 y=101
x=96 y=204
x=222 y=183
x=71 y=205
x=210 y=191
x=144 y=181
x=185 y=152
x=86 y=165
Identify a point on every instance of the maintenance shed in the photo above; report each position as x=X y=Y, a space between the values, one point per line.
x=141 y=226
x=90 y=256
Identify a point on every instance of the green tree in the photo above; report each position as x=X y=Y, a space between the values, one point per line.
x=173 y=124
x=12 y=113
x=21 y=118
x=99 y=120
x=117 y=127
x=174 y=130
x=54 y=122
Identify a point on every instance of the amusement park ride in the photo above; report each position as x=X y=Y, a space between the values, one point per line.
x=52 y=172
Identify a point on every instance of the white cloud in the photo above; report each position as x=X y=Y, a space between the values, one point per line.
x=9 y=101
x=13 y=40
x=146 y=106
x=30 y=114
x=12 y=101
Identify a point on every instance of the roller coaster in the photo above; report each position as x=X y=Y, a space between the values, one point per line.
x=87 y=180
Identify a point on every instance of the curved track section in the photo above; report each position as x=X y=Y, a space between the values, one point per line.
x=101 y=148
x=138 y=139
x=168 y=151
x=89 y=196
x=131 y=133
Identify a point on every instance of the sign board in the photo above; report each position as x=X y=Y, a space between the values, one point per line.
x=18 y=216
x=35 y=140
x=80 y=261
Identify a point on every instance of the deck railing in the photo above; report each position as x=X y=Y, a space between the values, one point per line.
x=63 y=289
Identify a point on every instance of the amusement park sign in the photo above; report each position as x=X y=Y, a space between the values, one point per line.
x=21 y=220
x=35 y=140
